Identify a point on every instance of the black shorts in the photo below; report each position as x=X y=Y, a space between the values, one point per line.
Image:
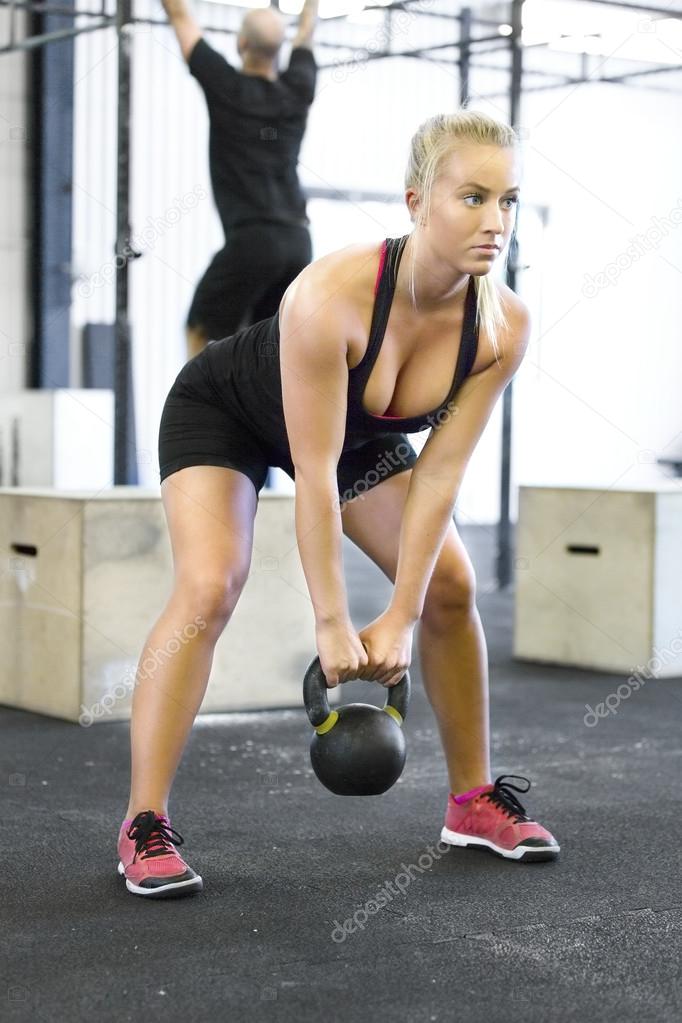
x=246 y=280
x=196 y=429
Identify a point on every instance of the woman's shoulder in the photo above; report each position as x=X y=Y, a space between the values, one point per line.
x=512 y=335
x=340 y=279
x=350 y=257
x=511 y=303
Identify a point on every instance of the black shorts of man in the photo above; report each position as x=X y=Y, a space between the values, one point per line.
x=257 y=121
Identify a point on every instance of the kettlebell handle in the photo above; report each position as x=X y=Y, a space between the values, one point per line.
x=317 y=704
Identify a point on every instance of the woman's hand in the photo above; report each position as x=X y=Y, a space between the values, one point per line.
x=342 y=655
x=388 y=642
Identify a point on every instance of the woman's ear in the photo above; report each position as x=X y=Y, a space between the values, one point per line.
x=413 y=204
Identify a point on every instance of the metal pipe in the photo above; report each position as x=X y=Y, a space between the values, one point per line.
x=36 y=7
x=611 y=80
x=49 y=37
x=365 y=55
x=504 y=545
x=464 y=55
x=639 y=7
x=123 y=248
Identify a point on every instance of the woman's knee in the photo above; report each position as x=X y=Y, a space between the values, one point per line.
x=212 y=598
x=451 y=593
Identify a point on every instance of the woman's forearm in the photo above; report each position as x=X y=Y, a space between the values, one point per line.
x=320 y=545
x=426 y=518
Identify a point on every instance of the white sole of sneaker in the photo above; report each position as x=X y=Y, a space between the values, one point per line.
x=527 y=853
x=192 y=884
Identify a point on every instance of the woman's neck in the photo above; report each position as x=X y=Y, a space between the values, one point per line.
x=434 y=286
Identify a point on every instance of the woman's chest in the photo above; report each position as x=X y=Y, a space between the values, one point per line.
x=414 y=369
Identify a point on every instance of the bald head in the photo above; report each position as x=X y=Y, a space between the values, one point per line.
x=262 y=33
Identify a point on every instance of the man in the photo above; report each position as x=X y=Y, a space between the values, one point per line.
x=257 y=121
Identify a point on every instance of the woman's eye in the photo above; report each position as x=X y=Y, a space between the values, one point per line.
x=510 y=198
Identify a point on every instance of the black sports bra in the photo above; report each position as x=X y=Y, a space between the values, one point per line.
x=357 y=416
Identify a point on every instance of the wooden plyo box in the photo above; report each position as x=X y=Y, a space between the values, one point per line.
x=83 y=579
x=599 y=578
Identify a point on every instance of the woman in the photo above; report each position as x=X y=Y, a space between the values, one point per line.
x=367 y=342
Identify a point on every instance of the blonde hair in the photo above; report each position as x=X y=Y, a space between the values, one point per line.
x=435 y=139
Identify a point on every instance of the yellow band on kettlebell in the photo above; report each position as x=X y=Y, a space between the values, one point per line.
x=328 y=723
x=395 y=714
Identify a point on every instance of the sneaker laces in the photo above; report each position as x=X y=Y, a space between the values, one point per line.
x=151 y=836
x=503 y=797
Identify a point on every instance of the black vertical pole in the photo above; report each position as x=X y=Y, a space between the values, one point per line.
x=50 y=140
x=464 y=54
x=124 y=449
x=504 y=547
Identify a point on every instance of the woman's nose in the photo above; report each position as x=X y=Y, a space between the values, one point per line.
x=493 y=219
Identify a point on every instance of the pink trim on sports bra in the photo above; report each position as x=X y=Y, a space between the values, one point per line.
x=382 y=260
x=376 y=289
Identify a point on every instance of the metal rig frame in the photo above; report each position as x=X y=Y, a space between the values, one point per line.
x=464 y=49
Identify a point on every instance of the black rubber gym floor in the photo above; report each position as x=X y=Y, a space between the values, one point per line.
x=595 y=936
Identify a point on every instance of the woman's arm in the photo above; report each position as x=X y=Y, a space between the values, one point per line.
x=313 y=351
x=439 y=470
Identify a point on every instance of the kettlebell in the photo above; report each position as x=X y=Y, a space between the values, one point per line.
x=358 y=749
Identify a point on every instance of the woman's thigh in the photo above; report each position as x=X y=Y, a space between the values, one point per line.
x=373 y=523
x=210 y=512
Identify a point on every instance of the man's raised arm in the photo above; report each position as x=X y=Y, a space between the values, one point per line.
x=185 y=24
x=306 y=25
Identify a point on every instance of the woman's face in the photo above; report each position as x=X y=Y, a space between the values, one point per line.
x=473 y=202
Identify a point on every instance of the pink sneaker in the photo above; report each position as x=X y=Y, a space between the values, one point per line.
x=491 y=817
x=148 y=860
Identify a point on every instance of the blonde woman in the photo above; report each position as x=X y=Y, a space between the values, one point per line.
x=371 y=343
